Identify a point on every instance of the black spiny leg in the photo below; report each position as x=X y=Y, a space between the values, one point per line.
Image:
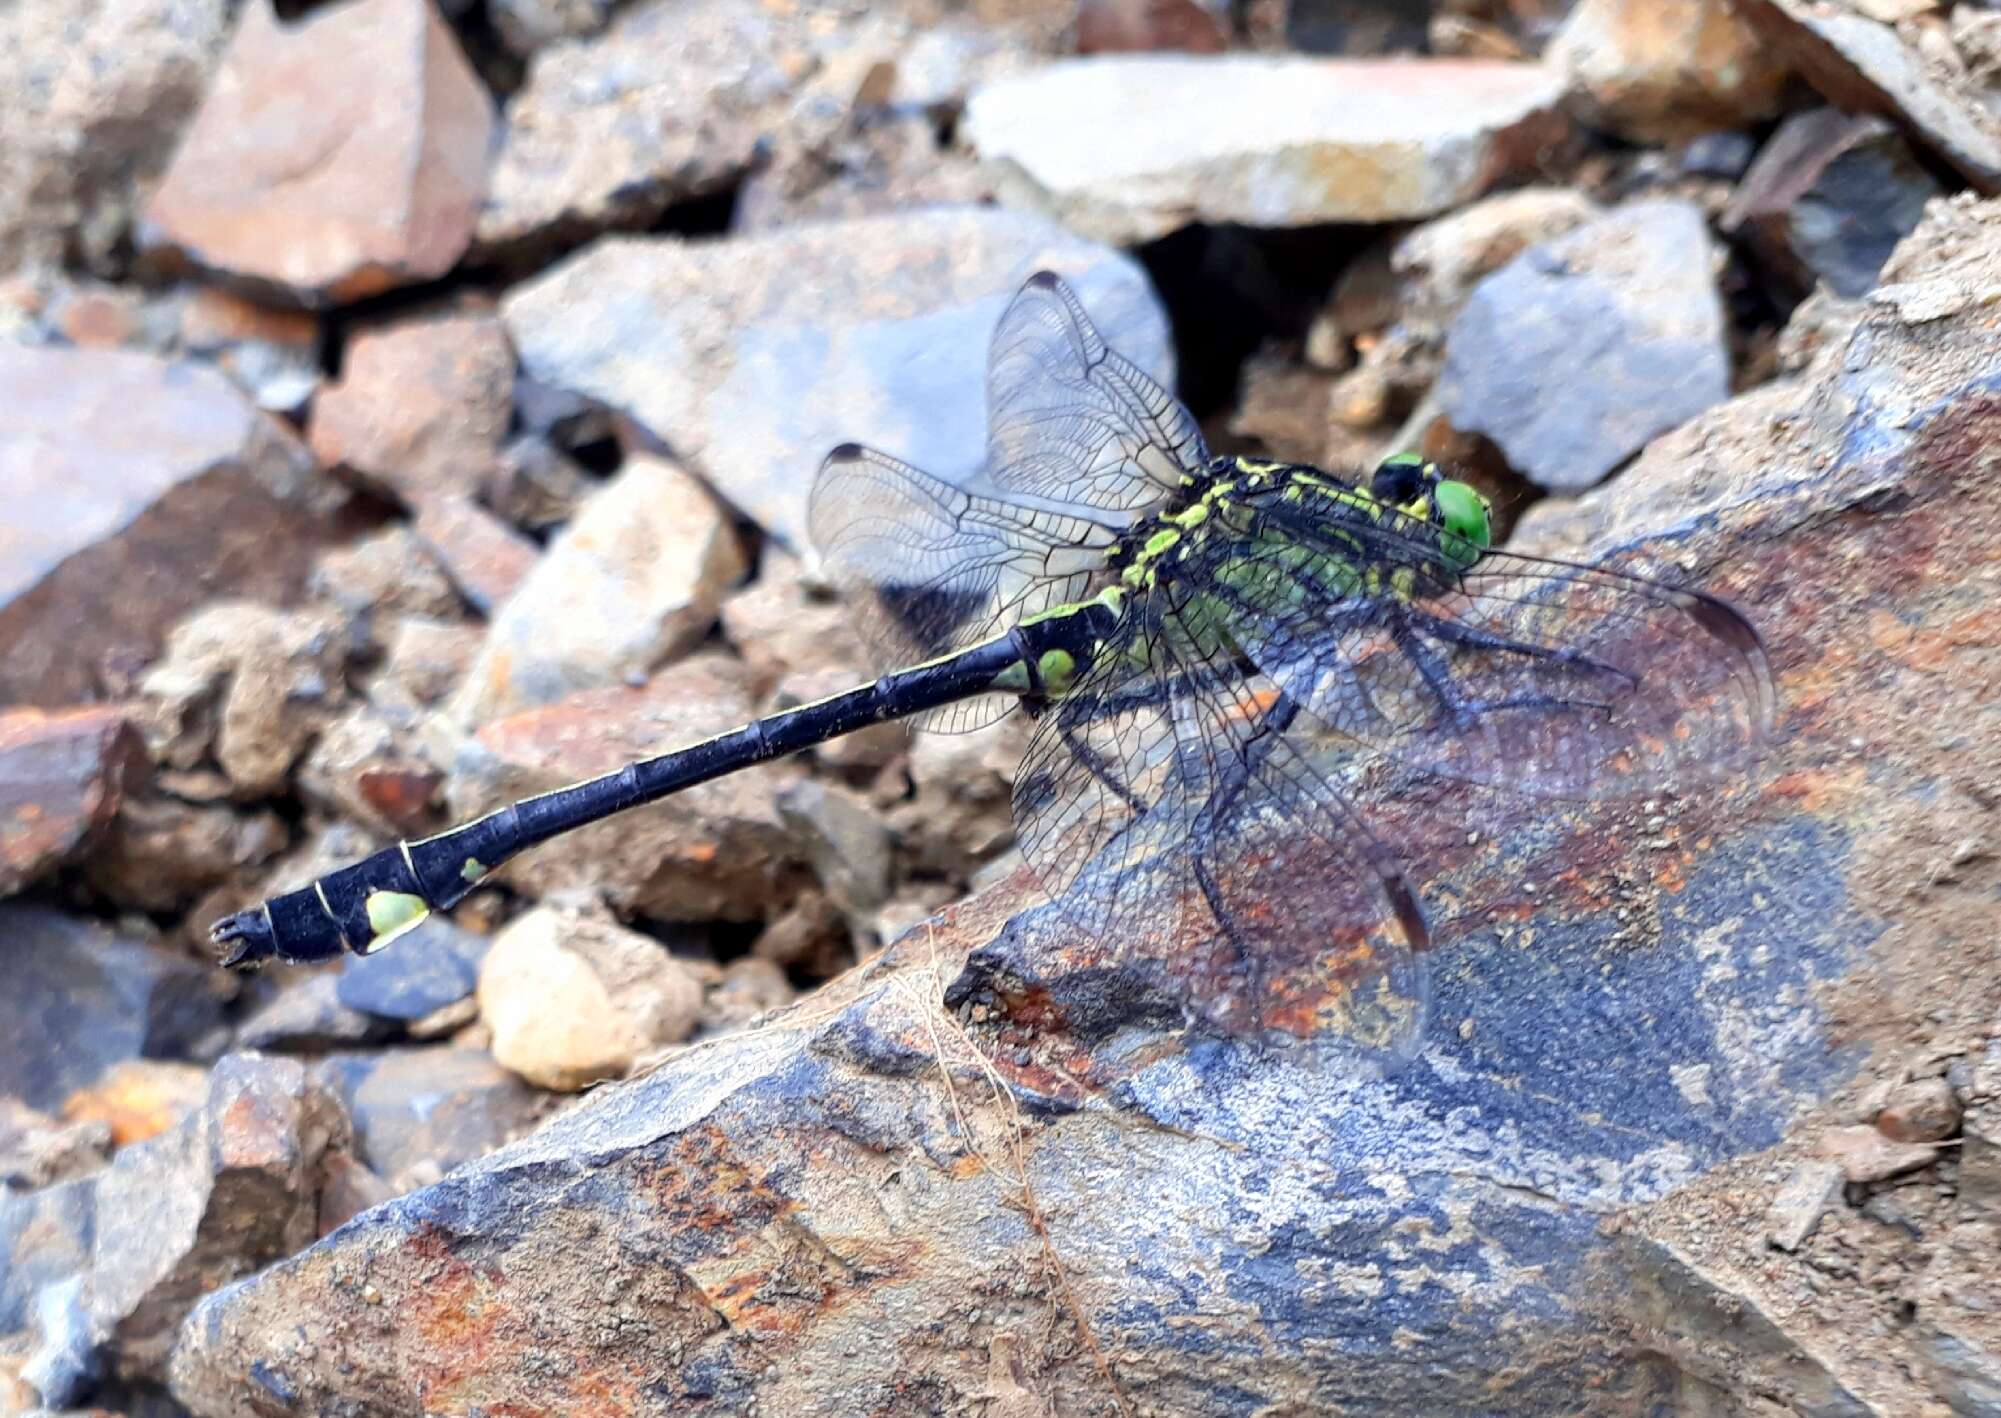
x=1460 y=709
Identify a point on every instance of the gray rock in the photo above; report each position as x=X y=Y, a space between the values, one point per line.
x=305 y=1015
x=1829 y=197
x=140 y=489
x=99 y=94
x=436 y=1107
x=847 y=844
x=676 y=100
x=100 y=1272
x=1173 y=139
x=435 y=965
x=1576 y=353
x=750 y=358
x=1545 y=1212
x=1958 y=1320
x=1865 y=66
x=1801 y=1201
x=80 y=998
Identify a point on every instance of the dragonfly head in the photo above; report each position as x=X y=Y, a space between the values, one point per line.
x=1415 y=487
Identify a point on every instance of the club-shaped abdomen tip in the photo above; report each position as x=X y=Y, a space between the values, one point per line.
x=246 y=936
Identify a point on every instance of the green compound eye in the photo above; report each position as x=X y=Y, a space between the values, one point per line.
x=1462 y=511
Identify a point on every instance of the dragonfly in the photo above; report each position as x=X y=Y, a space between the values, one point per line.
x=1206 y=646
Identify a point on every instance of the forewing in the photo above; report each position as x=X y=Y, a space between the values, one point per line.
x=1543 y=677
x=928 y=568
x=1072 y=424
x=1185 y=830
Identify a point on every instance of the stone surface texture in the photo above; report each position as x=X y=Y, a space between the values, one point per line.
x=1581 y=349
x=1668 y=70
x=751 y=358
x=138 y=488
x=334 y=157
x=1053 y=1202
x=1265 y=140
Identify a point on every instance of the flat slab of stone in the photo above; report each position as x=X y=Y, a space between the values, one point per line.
x=137 y=489
x=751 y=357
x=1128 y=148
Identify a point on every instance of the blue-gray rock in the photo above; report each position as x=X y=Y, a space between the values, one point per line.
x=1581 y=349
x=1064 y=1200
x=305 y=1014
x=438 y=966
x=439 y=1106
x=96 y=1274
x=751 y=357
x=1829 y=198
x=79 y=998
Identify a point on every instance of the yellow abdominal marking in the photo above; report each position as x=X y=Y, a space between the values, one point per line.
x=392 y=914
x=473 y=869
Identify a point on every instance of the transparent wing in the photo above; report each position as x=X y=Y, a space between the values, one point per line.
x=928 y=568
x=1071 y=423
x=1172 y=807
x=1543 y=677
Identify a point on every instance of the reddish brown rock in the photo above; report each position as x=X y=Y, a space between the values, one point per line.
x=62 y=777
x=1863 y=65
x=485 y=558
x=1657 y=71
x=137 y=489
x=421 y=406
x=336 y=156
x=1116 y=26
x=139 y=1098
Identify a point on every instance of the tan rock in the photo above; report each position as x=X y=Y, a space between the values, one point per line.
x=335 y=157
x=1660 y=71
x=573 y=999
x=628 y=586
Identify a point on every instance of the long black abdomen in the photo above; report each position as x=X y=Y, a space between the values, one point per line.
x=363 y=907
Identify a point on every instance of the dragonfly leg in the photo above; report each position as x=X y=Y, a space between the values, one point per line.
x=1461 y=709
x=1451 y=632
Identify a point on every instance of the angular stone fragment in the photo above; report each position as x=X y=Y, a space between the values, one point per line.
x=248 y=683
x=1177 y=140
x=573 y=999
x=273 y=354
x=80 y=999
x=137 y=490
x=420 y=408
x=1863 y=65
x=230 y=1189
x=751 y=358
x=1801 y=1201
x=1664 y=71
x=427 y=1110
x=1580 y=350
x=486 y=559
x=62 y=777
x=631 y=584
x=1829 y=197
x=1866 y=1155
x=1921 y=1110
x=336 y=156
x=139 y=1098
x=713 y=852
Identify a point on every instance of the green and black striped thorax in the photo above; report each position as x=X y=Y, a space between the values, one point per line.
x=1408 y=532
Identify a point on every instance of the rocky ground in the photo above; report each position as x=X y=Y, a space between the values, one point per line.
x=410 y=407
